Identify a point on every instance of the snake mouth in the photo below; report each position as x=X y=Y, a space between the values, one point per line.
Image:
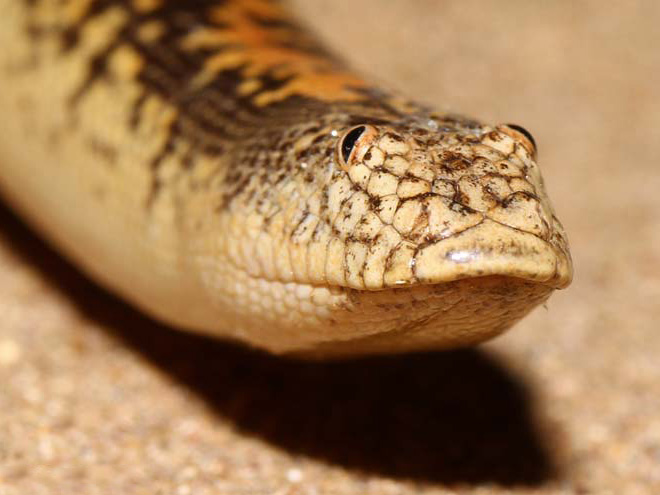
x=487 y=248
x=494 y=249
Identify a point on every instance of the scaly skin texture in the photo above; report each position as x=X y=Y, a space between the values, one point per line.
x=212 y=163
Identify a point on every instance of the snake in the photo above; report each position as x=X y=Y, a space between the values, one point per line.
x=217 y=167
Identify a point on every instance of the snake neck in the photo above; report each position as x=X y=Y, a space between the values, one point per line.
x=222 y=63
x=229 y=75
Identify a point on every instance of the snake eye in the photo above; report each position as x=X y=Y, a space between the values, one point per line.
x=354 y=141
x=348 y=143
x=525 y=134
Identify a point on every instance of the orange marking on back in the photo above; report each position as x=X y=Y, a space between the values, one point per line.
x=74 y=11
x=261 y=50
x=145 y=6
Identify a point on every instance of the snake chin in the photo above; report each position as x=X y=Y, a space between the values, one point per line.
x=428 y=317
x=321 y=321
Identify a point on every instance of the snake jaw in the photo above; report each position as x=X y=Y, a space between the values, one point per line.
x=407 y=236
x=457 y=241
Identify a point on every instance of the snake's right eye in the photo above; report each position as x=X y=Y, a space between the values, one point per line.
x=352 y=142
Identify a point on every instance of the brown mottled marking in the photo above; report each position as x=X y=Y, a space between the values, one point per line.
x=144 y=6
x=107 y=152
x=207 y=169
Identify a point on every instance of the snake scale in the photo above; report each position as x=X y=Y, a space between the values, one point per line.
x=215 y=165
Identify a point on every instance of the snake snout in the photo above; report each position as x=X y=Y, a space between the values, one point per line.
x=430 y=207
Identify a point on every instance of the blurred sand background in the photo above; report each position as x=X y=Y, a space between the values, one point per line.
x=97 y=399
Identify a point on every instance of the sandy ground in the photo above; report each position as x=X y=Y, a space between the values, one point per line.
x=97 y=399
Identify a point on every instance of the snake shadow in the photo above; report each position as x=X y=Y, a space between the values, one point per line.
x=449 y=418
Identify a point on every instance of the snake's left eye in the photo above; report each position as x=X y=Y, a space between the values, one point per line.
x=354 y=141
x=349 y=140
x=526 y=135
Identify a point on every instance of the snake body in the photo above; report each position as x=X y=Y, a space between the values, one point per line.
x=217 y=167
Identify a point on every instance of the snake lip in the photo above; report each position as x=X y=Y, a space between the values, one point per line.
x=491 y=248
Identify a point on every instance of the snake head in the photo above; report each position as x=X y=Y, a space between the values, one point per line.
x=383 y=236
x=447 y=200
